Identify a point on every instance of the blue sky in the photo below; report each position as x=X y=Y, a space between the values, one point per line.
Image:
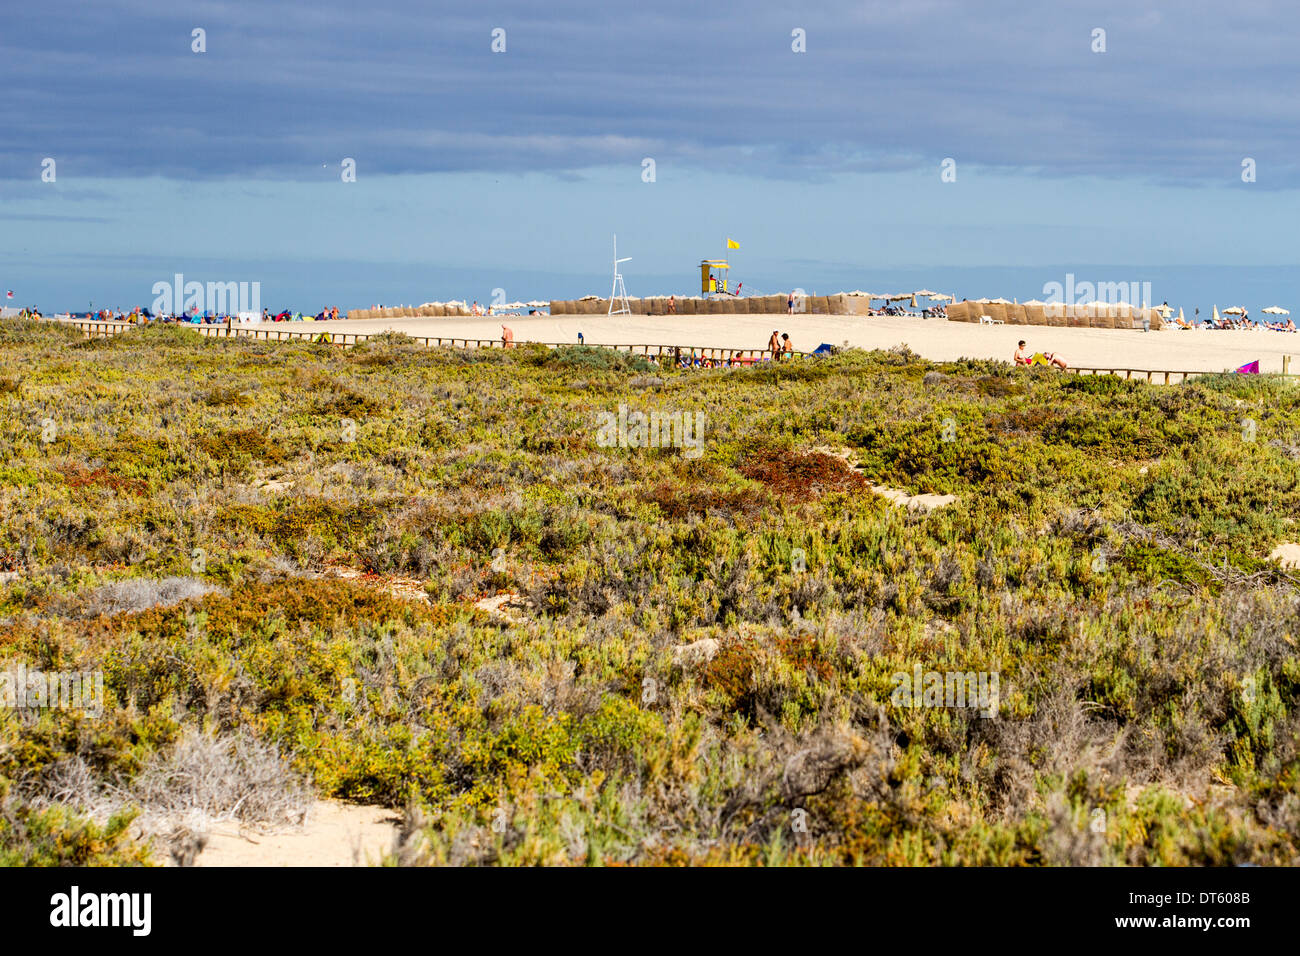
x=477 y=170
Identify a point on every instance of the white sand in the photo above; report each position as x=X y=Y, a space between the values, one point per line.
x=1287 y=555
x=335 y=834
x=938 y=339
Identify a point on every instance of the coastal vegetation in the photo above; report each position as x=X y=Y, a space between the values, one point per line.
x=412 y=577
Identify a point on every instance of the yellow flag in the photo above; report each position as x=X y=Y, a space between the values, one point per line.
x=732 y=244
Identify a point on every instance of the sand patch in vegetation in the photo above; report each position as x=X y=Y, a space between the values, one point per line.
x=406 y=589
x=334 y=834
x=504 y=607
x=1287 y=555
x=895 y=496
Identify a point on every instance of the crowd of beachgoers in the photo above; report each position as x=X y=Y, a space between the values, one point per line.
x=932 y=312
x=1241 y=321
x=142 y=315
x=1237 y=319
x=780 y=347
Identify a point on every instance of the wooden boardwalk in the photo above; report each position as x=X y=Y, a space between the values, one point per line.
x=321 y=333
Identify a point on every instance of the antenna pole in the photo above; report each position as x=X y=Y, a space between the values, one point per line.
x=618 y=292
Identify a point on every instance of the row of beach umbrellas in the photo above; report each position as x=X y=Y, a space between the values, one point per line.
x=902 y=296
x=1165 y=311
x=1238 y=310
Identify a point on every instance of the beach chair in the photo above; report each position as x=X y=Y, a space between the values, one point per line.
x=989 y=320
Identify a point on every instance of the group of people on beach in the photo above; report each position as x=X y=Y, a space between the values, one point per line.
x=329 y=313
x=1241 y=321
x=779 y=347
x=691 y=359
x=142 y=316
x=930 y=312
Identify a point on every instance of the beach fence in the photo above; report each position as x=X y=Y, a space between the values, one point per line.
x=1152 y=376
x=430 y=310
x=839 y=304
x=323 y=335
x=717 y=305
x=1093 y=315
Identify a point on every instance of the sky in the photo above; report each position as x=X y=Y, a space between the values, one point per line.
x=984 y=148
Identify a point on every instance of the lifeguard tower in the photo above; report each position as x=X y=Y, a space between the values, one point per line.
x=713 y=276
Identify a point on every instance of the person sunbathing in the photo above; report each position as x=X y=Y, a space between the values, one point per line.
x=1022 y=357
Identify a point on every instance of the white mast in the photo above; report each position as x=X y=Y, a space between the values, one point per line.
x=618 y=293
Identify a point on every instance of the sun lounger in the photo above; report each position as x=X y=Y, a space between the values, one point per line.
x=989 y=320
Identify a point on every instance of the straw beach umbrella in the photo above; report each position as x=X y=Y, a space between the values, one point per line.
x=1235 y=310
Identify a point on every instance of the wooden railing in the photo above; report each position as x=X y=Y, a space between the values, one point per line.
x=322 y=333
x=1151 y=374
x=94 y=327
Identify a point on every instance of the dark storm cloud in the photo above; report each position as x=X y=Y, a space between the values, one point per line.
x=1182 y=94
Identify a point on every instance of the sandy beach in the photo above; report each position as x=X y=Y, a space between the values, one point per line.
x=1169 y=349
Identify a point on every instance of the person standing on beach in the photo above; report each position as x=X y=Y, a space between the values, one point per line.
x=789 y=305
x=787 y=348
x=774 y=345
x=507 y=337
x=672 y=305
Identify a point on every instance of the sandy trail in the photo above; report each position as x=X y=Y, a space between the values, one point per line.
x=335 y=834
x=937 y=339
